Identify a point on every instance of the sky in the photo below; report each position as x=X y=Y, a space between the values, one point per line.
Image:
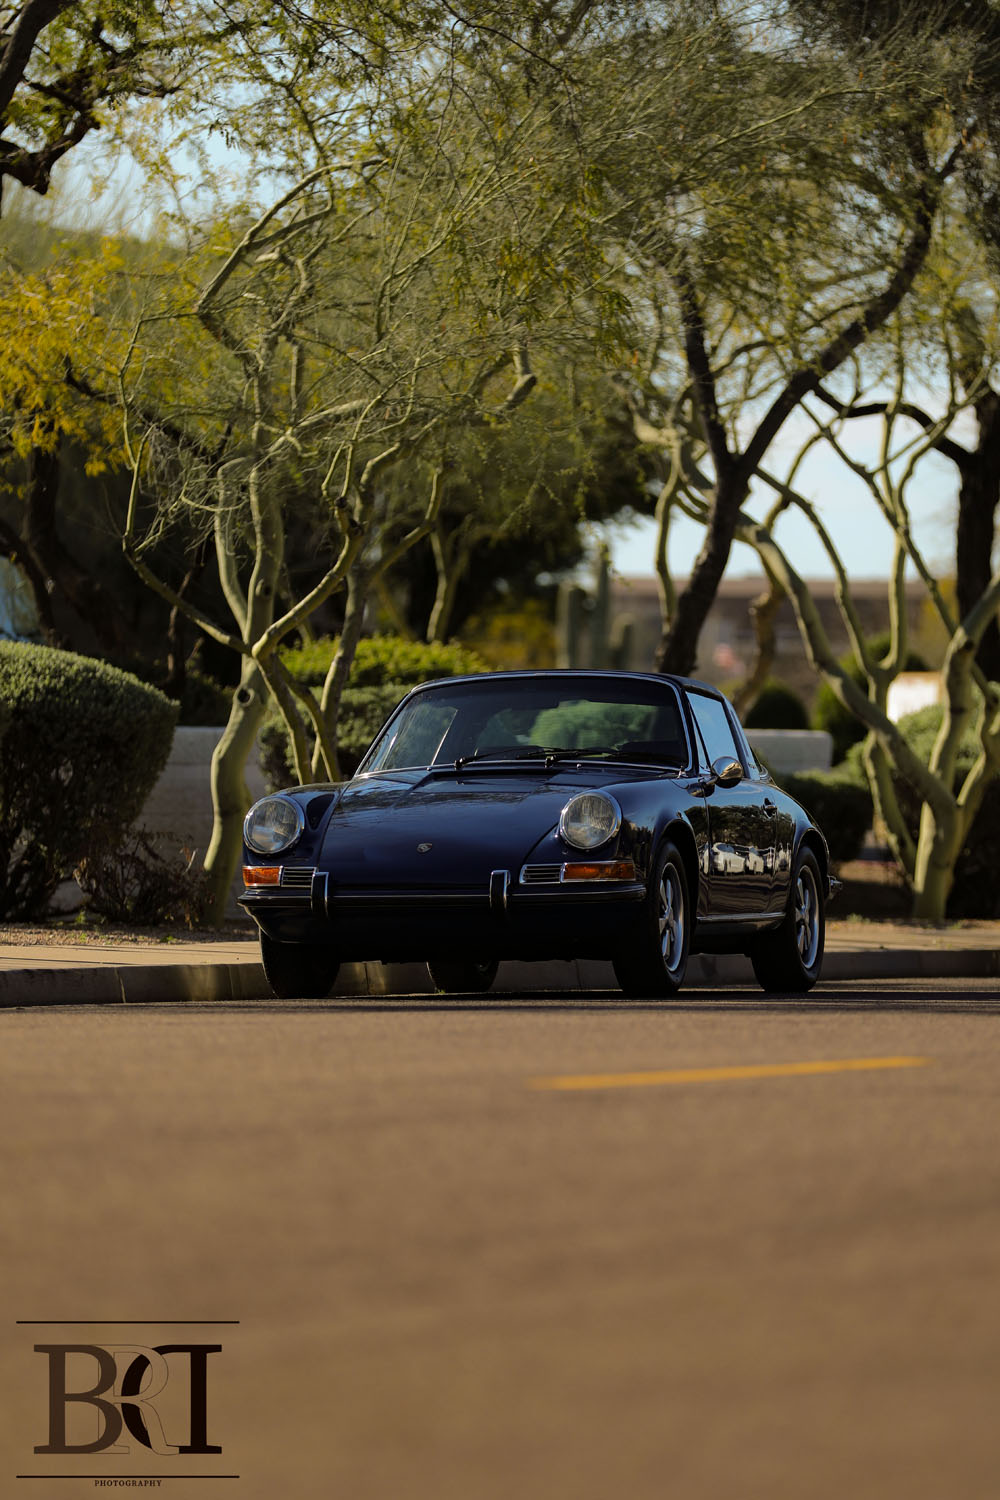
x=861 y=535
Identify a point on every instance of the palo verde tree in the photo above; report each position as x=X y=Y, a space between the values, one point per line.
x=352 y=327
x=911 y=435
x=386 y=294
x=128 y=74
x=757 y=276
x=435 y=230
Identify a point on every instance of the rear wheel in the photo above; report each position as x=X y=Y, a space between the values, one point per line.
x=788 y=960
x=298 y=971
x=467 y=978
x=655 y=961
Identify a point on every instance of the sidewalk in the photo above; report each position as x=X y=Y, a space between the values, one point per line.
x=96 y=972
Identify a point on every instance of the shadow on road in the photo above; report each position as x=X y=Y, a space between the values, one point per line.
x=848 y=997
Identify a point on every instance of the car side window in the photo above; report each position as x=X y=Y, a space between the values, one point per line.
x=714 y=727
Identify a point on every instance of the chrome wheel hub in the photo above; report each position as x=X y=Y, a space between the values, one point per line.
x=807 y=923
x=671 y=919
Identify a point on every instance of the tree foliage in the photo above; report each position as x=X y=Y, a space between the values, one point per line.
x=756 y=280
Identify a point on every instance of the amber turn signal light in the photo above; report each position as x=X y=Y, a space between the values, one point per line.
x=261 y=874
x=613 y=869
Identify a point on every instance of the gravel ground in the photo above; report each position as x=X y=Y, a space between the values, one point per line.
x=95 y=934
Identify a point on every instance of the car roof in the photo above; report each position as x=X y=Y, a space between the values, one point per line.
x=545 y=673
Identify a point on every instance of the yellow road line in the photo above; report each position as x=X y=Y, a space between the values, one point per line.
x=664 y=1076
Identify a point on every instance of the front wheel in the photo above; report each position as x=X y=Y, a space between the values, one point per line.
x=298 y=971
x=463 y=978
x=788 y=960
x=655 y=961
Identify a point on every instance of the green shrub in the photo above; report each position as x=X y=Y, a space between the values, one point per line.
x=776 y=707
x=831 y=715
x=839 y=803
x=380 y=659
x=85 y=743
x=384 y=669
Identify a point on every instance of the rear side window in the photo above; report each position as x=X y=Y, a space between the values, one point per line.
x=714 y=728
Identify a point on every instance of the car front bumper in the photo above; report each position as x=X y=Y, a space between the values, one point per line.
x=507 y=918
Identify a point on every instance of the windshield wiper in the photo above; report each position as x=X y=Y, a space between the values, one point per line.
x=502 y=752
x=562 y=752
x=550 y=755
x=547 y=753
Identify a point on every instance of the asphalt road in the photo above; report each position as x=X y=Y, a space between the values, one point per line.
x=574 y=1249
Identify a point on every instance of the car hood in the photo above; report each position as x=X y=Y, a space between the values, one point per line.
x=447 y=830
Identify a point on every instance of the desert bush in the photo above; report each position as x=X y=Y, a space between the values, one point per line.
x=146 y=880
x=84 y=745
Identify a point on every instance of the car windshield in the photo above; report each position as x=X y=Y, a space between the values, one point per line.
x=522 y=720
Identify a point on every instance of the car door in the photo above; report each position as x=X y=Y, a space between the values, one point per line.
x=741 y=819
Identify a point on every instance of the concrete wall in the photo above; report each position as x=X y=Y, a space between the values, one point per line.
x=181 y=801
x=793 y=749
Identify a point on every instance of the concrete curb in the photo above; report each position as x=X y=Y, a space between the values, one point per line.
x=200 y=983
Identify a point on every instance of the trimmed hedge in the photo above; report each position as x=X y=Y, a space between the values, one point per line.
x=83 y=747
x=383 y=659
x=776 y=706
x=384 y=669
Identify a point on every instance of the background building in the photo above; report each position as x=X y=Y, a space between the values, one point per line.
x=727 y=643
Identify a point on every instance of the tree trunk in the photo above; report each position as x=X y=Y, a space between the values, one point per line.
x=450 y=564
x=934 y=872
x=764 y=611
x=176 y=655
x=358 y=583
x=230 y=794
x=678 y=650
x=20 y=553
x=978 y=497
x=86 y=596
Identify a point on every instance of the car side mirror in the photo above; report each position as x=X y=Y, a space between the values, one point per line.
x=727 y=772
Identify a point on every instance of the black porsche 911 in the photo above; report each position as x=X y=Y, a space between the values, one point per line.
x=540 y=815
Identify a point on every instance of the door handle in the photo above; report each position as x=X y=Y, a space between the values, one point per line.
x=770 y=808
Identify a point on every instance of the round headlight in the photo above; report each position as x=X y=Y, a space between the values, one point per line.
x=589 y=819
x=273 y=824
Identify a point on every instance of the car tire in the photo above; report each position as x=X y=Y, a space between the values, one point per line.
x=788 y=960
x=655 y=961
x=463 y=978
x=298 y=971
